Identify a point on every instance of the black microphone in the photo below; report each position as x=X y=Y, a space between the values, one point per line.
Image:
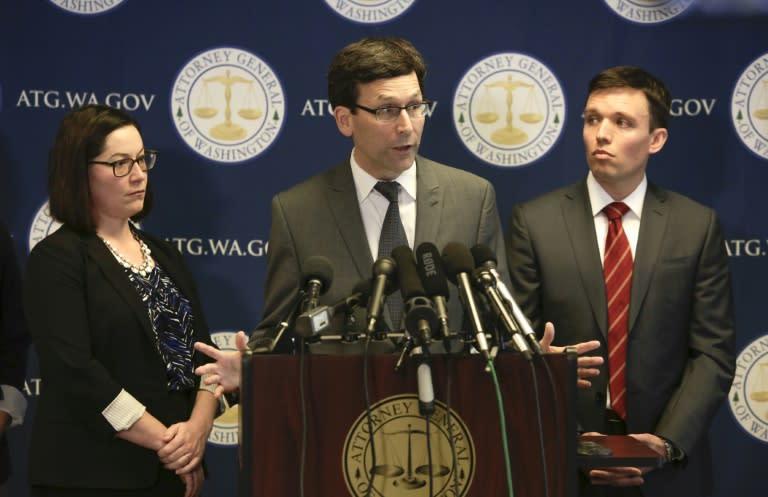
x=420 y=320
x=484 y=257
x=486 y=282
x=383 y=276
x=459 y=264
x=429 y=265
x=420 y=317
x=316 y=321
x=316 y=279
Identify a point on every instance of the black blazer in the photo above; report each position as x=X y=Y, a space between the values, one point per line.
x=680 y=350
x=93 y=338
x=14 y=339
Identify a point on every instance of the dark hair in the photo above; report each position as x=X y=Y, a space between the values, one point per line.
x=371 y=59
x=656 y=92
x=79 y=139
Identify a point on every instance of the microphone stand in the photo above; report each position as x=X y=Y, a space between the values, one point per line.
x=266 y=344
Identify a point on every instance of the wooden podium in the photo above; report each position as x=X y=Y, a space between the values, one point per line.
x=305 y=430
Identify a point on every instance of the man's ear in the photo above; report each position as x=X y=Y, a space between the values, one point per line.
x=343 y=116
x=658 y=139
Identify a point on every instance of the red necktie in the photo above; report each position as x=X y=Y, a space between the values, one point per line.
x=617 y=271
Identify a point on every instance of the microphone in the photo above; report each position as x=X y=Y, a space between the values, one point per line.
x=420 y=320
x=383 y=276
x=458 y=264
x=420 y=317
x=316 y=321
x=485 y=281
x=429 y=265
x=316 y=279
x=484 y=257
x=424 y=384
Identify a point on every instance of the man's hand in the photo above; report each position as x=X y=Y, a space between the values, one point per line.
x=586 y=366
x=225 y=371
x=627 y=476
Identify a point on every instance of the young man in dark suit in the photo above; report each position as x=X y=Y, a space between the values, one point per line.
x=670 y=307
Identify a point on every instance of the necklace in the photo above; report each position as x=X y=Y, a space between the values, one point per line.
x=146 y=259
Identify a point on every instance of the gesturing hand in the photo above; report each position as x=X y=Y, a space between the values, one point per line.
x=586 y=366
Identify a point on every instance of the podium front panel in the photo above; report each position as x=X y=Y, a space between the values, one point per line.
x=308 y=417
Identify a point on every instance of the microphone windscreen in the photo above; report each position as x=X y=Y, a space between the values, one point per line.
x=457 y=259
x=410 y=283
x=429 y=264
x=483 y=256
x=317 y=267
x=385 y=266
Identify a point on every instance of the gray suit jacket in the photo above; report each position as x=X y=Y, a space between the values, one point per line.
x=680 y=357
x=321 y=216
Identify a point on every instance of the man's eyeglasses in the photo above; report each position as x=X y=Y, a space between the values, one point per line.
x=389 y=113
x=122 y=167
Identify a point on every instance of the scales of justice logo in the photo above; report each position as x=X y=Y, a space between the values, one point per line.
x=648 y=11
x=402 y=462
x=228 y=105
x=749 y=106
x=508 y=109
x=748 y=397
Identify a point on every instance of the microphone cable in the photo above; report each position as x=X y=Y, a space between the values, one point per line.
x=535 y=382
x=304 y=427
x=449 y=361
x=368 y=414
x=503 y=428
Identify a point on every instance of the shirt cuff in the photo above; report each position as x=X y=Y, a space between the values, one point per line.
x=123 y=411
x=203 y=386
x=14 y=403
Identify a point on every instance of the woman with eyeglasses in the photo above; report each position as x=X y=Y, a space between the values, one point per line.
x=114 y=313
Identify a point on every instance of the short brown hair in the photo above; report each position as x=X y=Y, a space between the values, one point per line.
x=371 y=59
x=656 y=92
x=79 y=139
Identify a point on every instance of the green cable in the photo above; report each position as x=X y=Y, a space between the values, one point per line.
x=503 y=425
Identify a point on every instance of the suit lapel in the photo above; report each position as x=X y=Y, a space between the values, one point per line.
x=341 y=199
x=115 y=275
x=652 y=226
x=580 y=224
x=429 y=203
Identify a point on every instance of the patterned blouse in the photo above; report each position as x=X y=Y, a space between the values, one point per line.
x=173 y=324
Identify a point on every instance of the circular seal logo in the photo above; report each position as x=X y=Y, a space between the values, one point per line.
x=370 y=11
x=749 y=391
x=509 y=109
x=87 y=8
x=402 y=462
x=648 y=11
x=225 y=431
x=228 y=105
x=749 y=106
x=42 y=225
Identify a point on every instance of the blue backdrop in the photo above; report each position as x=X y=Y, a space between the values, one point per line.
x=509 y=79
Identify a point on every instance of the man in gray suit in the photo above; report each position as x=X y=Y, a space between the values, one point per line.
x=679 y=354
x=376 y=89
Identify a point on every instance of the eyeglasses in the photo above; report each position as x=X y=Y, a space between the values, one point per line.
x=390 y=113
x=123 y=167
